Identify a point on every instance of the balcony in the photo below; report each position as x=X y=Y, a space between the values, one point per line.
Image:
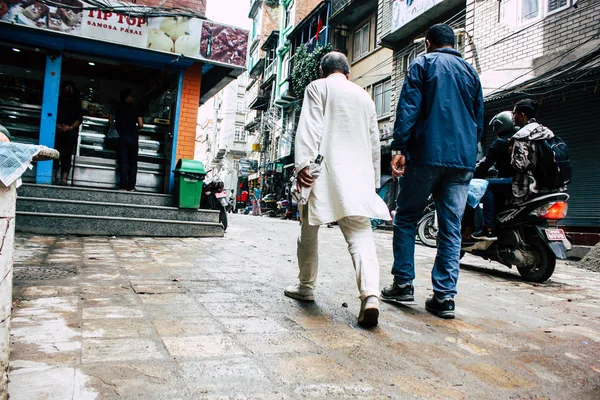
x=256 y=97
x=286 y=94
x=351 y=12
x=252 y=120
x=269 y=74
x=410 y=20
x=256 y=69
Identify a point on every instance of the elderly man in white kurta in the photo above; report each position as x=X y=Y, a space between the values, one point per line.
x=339 y=122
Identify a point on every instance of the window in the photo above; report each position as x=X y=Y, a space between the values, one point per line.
x=519 y=12
x=285 y=67
x=382 y=97
x=530 y=9
x=361 y=42
x=239 y=135
x=256 y=25
x=410 y=57
x=289 y=13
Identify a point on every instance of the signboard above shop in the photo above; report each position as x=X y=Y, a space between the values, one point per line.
x=413 y=17
x=403 y=11
x=127 y=24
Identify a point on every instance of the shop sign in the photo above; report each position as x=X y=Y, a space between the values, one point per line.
x=404 y=11
x=191 y=37
x=278 y=168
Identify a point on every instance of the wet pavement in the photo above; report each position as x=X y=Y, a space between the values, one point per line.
x=146 y=318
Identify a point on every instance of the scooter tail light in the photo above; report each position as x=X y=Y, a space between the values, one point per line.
x=552 y=211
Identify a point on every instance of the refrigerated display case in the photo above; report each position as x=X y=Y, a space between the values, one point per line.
x=96 y=166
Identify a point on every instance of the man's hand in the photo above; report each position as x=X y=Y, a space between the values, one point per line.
x=398 y=165
x=305 y=179
x=62 y=128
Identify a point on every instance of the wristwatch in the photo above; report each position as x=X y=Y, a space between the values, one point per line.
x=398 y=153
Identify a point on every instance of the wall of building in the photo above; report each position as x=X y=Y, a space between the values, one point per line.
x=303 y=8
x=384 y=18
x=7 y=226
x=503 y=52
x=188 y=116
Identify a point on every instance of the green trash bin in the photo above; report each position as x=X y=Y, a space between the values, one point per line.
x=189 y=176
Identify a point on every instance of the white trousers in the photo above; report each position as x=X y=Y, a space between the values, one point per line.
x=359 y=236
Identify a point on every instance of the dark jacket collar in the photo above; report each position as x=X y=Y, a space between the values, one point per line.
x=448 y=50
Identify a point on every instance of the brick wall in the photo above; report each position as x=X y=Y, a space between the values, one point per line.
x=497 y=44
x=270 y=21
x=303 y=8
x=188 y=117
x=384 y=18
x=198 y=6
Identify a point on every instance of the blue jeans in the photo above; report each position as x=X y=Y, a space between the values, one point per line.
x=449 y=187
x=495 y=186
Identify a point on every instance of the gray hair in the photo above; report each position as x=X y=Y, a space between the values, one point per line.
x=335 y=62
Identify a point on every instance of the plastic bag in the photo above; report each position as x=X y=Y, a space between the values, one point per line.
x=477 y=189
x=301 y=195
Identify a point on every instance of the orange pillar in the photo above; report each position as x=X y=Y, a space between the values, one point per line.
x=188 y=115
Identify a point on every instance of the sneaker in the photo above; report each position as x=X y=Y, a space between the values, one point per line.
x=397 y=292
x=486 y=234
x=369 y=311
x=300 y=292
x=443 y=308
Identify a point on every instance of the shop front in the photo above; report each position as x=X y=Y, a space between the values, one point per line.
x=171 y=64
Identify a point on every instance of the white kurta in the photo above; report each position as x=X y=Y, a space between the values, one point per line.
x=339 y=121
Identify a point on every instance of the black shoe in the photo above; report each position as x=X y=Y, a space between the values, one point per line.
x=442 y=308
x=405 y=292
x=486 y=234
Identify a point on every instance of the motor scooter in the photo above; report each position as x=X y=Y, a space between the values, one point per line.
x=214 y=197
x=528 y=235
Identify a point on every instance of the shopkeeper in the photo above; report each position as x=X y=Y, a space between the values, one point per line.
x=68 y=120
x=128 y=116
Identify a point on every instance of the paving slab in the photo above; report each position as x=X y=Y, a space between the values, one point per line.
x=190 y=318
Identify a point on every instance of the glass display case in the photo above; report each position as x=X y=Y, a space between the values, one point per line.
x=95 y=165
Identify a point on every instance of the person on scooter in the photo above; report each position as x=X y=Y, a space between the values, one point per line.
x=523 y=144
x=498 y=156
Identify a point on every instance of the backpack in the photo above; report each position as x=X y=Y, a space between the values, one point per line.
x=553 y=168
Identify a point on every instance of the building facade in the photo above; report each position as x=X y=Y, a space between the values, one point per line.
x=226 y=139
x=549 y=51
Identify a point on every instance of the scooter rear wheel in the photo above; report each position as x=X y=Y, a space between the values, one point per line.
x=223 y=218
x=544 y=266
x=427 y=231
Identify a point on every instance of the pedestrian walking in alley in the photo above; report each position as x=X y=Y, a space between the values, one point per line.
x=338 y=123
x=439 y=121
x=256 y=202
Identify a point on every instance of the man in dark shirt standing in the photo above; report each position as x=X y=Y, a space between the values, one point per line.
x=68 y=120
x=499 y=156
x=439 y=121
x=128 y=116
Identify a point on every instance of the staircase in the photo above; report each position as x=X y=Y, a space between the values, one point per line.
x=63 y=210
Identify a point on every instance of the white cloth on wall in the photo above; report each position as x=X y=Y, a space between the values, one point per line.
x=339 y=121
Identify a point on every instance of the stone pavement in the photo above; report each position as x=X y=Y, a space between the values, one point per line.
x=146 y=318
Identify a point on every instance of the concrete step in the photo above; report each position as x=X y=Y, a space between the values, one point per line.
x=78 y=207
x=93 y=225
x=97 y=195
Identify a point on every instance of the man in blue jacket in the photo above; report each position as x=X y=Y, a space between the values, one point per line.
x=439 y=122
